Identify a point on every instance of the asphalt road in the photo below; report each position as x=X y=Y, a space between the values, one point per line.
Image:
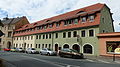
x=36 y=60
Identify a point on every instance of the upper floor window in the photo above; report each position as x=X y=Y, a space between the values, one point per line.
x=75 y=34
x=43 y=36
x=91 y=33
x=56 y=35
x=83 y=19
x=46 y=36
x=83 y=33
x=31 y=37
x=64 y=35
x=69 y=34
x=91 y=18
x=9 y=34
x=50 y=36
x=36 y=36
x=39 y=36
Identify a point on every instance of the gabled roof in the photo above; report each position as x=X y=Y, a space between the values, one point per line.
x=73 y=14
x=11 y=20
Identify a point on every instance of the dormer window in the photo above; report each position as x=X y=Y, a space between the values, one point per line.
x=66 y=22
x=45 y=27
x=76 y=21
x=57 y=24
x=83 y=19
x=91 y=18
x=50 y=25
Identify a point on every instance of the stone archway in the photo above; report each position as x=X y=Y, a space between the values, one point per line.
x=9 y=44
x=87 y=49
x=66 y=46
x=76 y=47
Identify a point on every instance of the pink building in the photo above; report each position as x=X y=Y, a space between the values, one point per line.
x=108 y=42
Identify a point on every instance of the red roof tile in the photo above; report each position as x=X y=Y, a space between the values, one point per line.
x=79 y=12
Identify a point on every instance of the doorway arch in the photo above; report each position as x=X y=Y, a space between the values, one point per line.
x=9 y=44
x=87 y=49
x=66 y=46
x=76 y=47
x=56 y=47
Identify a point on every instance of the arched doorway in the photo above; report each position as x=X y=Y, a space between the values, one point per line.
x=66 y=46
x=88 y=49
x=76 y=47
x=56 y=47
x=9 y=45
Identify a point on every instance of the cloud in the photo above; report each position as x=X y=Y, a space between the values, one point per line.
x=37 y=10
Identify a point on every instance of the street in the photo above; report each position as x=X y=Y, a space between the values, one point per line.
x=36 y=60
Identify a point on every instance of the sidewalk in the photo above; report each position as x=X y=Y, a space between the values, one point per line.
x=104 y=59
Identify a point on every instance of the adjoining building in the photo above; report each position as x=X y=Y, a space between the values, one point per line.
x=108 y=42
x=8 y=26
x=77 y=29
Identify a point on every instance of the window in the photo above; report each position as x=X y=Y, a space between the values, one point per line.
x=31 y=37
x=43 y=36
x=64 y=35
x=103 y=20
x=83 y=33
x=76 y=21
x=45 y=27
x=66 y=22
x=49 y=36
x=46 y=36
x=39 y=36
x=70 y=21
x=50 y=25
x=9 y=34
x=42 y=45
x=75 y=34
x=49 y=45
x=31 y=45
x=36 y=36
x=28 y=38
x=84 y=19
x=56 y=35
x=69 y=34
x=28 y=46
x=36 y=45
x=57 y=24
x=39 y=46
x=91 y=18
x=46 y=46
x=91 y=33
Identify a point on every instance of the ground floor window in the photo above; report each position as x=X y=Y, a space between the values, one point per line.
x=87 y=49
x=112 y=45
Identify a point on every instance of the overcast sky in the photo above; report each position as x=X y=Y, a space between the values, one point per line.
x=36 y=10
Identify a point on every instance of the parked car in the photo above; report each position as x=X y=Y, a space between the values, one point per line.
x=13 y=49
x=70 y=53
x=47 y=51
x=6 y=49
x=31 y=50
x=19 y=50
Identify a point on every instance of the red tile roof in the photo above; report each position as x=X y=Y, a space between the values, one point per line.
x=73 y=14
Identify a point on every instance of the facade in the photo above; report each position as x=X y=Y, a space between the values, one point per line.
x=9 y=25
x=76 y=29
x=108 y=42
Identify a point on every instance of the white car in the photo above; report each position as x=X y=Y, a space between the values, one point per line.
x=31 y=50
x=47 y=51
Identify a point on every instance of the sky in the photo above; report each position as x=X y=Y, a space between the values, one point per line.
x=36 y=10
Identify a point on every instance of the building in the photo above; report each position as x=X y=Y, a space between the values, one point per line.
x=108 y=42
x=77 y=29
x=8 y=26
